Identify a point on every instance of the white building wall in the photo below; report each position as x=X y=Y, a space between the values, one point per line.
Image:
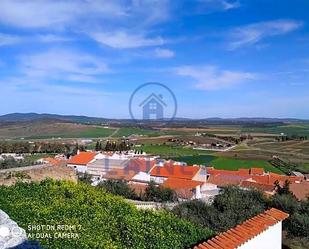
x=142 y=177
x=200 y=176
x=269 y=239
x=78 y=168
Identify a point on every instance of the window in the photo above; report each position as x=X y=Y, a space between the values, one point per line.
x=153 y=106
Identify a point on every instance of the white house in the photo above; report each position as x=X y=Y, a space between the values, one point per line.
x=263 y=231
x=79 y=162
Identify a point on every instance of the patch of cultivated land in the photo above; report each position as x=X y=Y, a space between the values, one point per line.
x=290 y=129
x=293 y=146
x=128 y=131
x=207 y=158
x=170 y=151
x=197 y=159
x=46 y=129
x=235 y=164
x=217 y=130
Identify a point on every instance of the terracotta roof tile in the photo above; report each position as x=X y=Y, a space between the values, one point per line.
x=175 y=171
x=246 y=231
x=257 y=171
x=300 y=190
x=176 y=183
x=257 y=185
x=271 y=178
x=224 y=180
x=83 y=158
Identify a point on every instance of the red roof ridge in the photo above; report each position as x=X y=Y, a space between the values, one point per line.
x=244 y=232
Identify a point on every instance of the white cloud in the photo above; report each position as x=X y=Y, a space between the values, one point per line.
x=64 y=65
x=122 y=39
x=6 y=39
x=229 y=5
x=253 y=33
x=107 y=22
x=164 y=53
x=220 y=4
x=212 y=78
x=54 y=14
x=63 y=13
x=52 y=38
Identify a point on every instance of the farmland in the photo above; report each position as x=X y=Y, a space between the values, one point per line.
x=170 y=151
x=178 y=141
x=52 y=129
x=191 y=157
x=235 y=164
x=129 y=131
x=289 y=129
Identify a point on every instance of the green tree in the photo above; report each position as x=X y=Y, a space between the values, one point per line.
x=118 y=187
x=85 y=177
x=231 y=207
x=159 y=193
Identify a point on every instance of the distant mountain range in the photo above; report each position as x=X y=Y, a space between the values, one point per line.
x=28 y=117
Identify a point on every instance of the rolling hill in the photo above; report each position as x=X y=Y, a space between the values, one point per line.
x=51 y=128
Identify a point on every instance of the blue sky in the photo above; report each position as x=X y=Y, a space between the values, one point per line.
x=221 y=58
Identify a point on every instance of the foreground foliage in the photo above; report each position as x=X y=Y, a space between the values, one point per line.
x=102 y=220
x=231 y=207
x=118 y=187
x=152 y=192
x=234 y=205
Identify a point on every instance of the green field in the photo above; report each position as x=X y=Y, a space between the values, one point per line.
x=171 y=151
x=291 y=129
x=95 y=132
x=197 y=159
x=226 y=163
x=207 y=158
x=127 y=131
x=235 y=164
x=303 y=167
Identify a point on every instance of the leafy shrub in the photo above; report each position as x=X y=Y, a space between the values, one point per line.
x=118 y=187
x=159 y=193
x=298 y=222
x=231 y=207
x=103 y=220
x=152 y=192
